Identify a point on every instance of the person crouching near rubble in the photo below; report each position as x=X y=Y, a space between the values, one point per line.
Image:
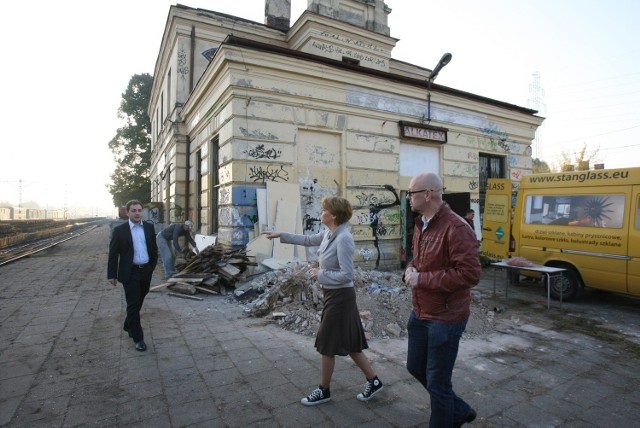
x=340 y=332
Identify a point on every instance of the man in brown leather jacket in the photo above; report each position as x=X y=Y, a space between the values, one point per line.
x=445 y=266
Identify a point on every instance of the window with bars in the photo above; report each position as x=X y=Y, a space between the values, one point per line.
x=490 y=166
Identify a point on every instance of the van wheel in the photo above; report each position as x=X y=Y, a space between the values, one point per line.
x=570 y=285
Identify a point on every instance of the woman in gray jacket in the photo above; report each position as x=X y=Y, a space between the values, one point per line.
x=340 y=331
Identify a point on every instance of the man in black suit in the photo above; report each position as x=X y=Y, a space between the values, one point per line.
x=133 y=255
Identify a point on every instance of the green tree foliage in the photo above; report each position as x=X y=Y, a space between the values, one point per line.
x=539 y=166
x=131 y=146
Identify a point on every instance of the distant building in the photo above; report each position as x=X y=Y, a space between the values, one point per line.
x=238 y=104
x=6 y=213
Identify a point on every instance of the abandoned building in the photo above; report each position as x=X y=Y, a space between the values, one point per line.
x=319 y=107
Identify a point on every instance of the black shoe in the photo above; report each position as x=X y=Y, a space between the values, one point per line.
x=141 y=346
x=317 y=396
x=371 y=388
x=471 y=416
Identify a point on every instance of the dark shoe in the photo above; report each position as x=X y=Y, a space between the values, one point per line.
x=371 y=388
x=471 y=416
x=141 y=346
x=126 y=328
x=317 y=396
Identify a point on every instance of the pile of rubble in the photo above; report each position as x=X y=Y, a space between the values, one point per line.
x=294 y=302
x=288 y=298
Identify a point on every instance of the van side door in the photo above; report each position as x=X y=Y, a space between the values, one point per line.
x=496 y=219
x=633 y=276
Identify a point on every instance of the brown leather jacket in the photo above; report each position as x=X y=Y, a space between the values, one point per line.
x=446 y=256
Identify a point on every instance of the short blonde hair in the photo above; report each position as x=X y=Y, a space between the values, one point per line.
x=339 y=207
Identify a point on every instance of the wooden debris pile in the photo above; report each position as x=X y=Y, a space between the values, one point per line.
x=216 y=268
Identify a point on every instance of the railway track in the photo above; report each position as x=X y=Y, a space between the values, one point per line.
x=26 y=249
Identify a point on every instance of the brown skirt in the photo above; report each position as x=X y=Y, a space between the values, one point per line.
x=341 y=331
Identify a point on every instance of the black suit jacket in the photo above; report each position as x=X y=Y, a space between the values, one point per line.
x=121 y=251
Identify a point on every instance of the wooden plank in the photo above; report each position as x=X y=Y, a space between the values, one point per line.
x=261 y=200
x=184 y=296
x=260 y=247
x=174 y=280
x=206 y=290
x=159 y=286
x=192 y=275
x=285 y=222
x=276 y=264
x=184 y=288
x=280 y=191
x=229 y=269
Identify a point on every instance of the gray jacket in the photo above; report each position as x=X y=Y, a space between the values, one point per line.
x=335 y=255
x=173 y=232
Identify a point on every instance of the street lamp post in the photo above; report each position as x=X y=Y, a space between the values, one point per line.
x=446 y=58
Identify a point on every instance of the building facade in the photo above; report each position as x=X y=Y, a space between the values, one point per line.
x=322 y=105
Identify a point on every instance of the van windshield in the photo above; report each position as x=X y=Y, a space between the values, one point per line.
x=576 y=210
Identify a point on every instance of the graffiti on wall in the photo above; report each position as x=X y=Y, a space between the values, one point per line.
x=312 y=192
x=492 y=132
x=155 y=215
x=365 y=253
x=224 y=196
x=377 y=204
x=183 y=63
x=260 y=173
x=351 y=53
x=516 y=174
x=357 y=42
x=261 y=152
x=257 y=134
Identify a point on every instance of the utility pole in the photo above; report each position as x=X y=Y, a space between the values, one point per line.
x=535 y=102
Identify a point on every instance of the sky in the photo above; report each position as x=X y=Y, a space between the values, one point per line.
x=67 y=64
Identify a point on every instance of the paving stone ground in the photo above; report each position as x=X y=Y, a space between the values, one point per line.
x=64 y=360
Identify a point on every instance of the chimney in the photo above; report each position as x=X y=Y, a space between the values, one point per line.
x=277 y=14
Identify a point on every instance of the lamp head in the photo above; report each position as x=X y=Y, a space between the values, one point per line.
x=446 y=58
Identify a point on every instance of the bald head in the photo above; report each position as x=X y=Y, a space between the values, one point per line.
x=429 y=180
x=425 y=193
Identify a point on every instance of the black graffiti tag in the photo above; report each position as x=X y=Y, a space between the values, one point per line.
x=270 y=173
x=259 y=152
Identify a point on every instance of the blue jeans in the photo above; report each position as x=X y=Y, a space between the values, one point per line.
x=433 y=349
x=166 y=254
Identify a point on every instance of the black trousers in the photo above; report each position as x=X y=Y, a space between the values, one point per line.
x=134 y=292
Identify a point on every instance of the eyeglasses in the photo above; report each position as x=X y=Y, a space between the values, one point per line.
x=412 y=192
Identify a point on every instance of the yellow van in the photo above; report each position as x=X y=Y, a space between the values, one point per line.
x=587 y=222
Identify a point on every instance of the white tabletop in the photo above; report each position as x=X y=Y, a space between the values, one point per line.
x=535 y=268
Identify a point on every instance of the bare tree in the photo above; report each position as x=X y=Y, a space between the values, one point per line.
x=580 y=160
